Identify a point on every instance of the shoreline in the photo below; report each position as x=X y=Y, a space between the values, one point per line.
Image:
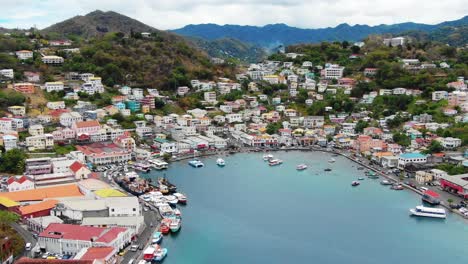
x=250 y=150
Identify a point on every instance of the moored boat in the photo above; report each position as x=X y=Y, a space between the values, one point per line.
x=397 y=187
x=268 y=157
x=171 y=188
x=431 y=197
x=160 y=254
x=385 y=182
x=164 y=228
x=220 y=162
x=171 y=199
x=355 y=183
x=361 y=178
x=332 y=160
x=175 y=225
x=159 y=164
x=428 y=212
x=275 y=162
x=157 y=237
x=181 y=198
x=142 y=167
x=301 y=167
x=327 y=169
x=196 y=163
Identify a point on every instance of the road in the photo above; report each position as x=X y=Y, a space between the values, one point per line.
x=27 y=236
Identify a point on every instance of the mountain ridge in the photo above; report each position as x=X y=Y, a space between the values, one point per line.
x=286 y=35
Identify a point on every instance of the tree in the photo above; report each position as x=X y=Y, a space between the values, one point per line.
x=13 y=161
x=450 y=201
x=6 y=218
x=273 y=128
x=361 y=124
x=435 y=147
x=401 y=139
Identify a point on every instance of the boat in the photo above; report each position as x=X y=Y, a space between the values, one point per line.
x=360 y=168
x=385 y=182
x=157 y=237
x=133 y=184
x=149 y=252
x=268 y=157
x=332 y=160
x=160 y=254
x=327 y=169
x=159 y=164
x=431 y=197
x=142 y=167
x=171 y=199
x=397 y=187
x=301 y=167
x=175 y=225
x=275 y=162
x=177 y=212
x=164 y=228
x=220 y=162
x=196 y=163
x=171 y=188
x=372 y=175
x=428 y=212
x=361 y=178
x=181 y=198
x=355 y=183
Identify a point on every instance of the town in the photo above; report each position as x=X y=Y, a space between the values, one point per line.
x=74 y=143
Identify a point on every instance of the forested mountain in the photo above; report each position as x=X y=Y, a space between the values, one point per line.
x=276 y=34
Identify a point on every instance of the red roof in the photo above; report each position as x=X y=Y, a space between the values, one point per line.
x=110 y=235
x=90 y=123
x=76 y=166
x=97 y=253
x=18 y=180
x=432 y=193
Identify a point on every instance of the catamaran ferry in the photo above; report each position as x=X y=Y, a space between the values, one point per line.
x=428 y=212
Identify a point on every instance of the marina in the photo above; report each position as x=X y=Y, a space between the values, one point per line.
x=214 y=225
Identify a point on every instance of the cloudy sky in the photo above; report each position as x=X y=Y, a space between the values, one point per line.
x=171 y=14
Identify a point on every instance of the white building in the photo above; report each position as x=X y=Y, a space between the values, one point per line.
x=408 y=158
x=8 y=73
x=40 y=142
x=68 y=119
x=394 y=41
x=24 y=54
x=53 y=86
x=52 y=60
x=439 y=95
x=22 y=183
x=210 y=97
x=333 y=72
x=9 y=142
x=35 y=130
x=451 y=143
x=233 y=118
x=56 y=105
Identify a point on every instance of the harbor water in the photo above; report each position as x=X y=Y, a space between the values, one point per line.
x=249 y=212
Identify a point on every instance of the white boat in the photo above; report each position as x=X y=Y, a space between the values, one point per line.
x=267 y=157
x=275 y=162
x=142 y=167
x=159 y=164
x=177 y=212
x=196 y=163
x=171 y=199
x=175 y=225
x=428 y=212
x=301 y=167
x=181 y=197
x=331 y=160
x=220 y=162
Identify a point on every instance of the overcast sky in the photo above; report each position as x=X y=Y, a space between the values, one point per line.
x=171 y=14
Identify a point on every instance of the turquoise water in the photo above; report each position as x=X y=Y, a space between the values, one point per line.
x=249 y=212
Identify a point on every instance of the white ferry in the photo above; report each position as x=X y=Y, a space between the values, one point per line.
x=428 y=212
x=196 y=163
x=142 y=167
x=159 y=164
x=220 y=162
x=275 y=162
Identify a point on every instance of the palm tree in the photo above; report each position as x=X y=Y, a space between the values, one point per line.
x=450 y=201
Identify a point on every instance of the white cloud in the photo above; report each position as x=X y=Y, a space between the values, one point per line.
x=169 y=14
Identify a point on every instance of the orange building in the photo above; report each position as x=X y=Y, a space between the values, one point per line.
x=27 y=88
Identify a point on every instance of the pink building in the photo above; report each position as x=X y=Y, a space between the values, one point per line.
x=366 y=143
x=86 y=127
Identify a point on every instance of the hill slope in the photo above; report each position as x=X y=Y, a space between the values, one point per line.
x=276 y=34
x=98 y=23
x=230 y=48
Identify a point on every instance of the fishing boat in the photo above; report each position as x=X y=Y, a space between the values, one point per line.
x=175 y=225
x=142 y=167
x=159 y=164
x=361 y=178
x=148 y=254
x=397 y=187
x=196 y=163
x=268 y=157
x=132 y=183
x=171 y=199
x=181 y=198
x=220 y=162
x=164 y=228
x=372 y=175
x=177 y=213
x=385 y=182
x=301 y=167
x=157 y=237
x=431 y=197
x=171 y=188
x=355 y=183
x=332 y=160
x=275 y=162
x=160 y=254
x=428 y=212
x=327 y=169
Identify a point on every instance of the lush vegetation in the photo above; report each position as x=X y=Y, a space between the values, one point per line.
x=13 y=161
x=6 y=231
x=452 y=169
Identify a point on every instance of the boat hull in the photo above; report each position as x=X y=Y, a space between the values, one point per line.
x=420 y=214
